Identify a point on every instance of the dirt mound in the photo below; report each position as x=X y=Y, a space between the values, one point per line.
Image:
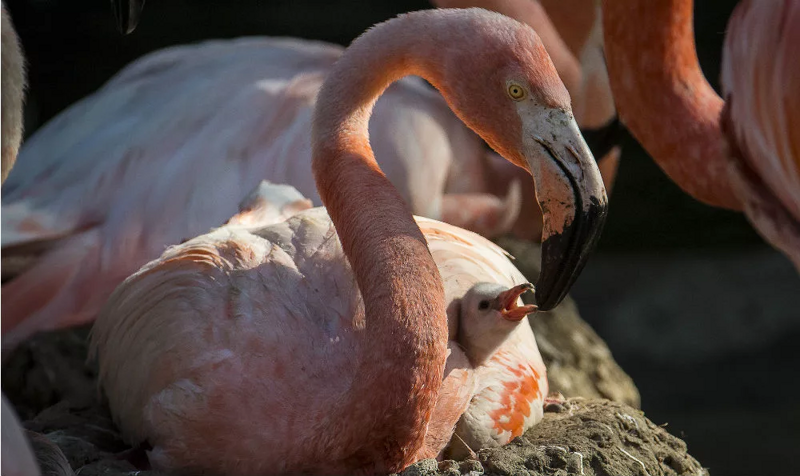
x=580 y=437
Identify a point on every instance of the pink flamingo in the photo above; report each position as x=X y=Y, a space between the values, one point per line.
x=89 y=211
x=498 y=379
x=743 y=153
x=280 y=349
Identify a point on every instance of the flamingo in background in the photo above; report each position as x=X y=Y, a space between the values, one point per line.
x=742 y=153
x=280 y=348
x=87 y=202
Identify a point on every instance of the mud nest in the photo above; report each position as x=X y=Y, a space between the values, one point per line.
x=580 y=437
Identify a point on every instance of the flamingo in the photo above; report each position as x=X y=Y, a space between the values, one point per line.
x=741 y=153
x=511 y=379
x=318 y=344
x=89 y=184
x=488 y=330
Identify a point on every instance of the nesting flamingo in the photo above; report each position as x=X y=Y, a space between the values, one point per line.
x=318 y=344
x=511 y=379
x=742 y=153
x=502 y=378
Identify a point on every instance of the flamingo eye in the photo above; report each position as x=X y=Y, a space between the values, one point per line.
x=483 y=305
x=516 y=92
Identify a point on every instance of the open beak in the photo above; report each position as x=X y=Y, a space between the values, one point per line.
x=506 y=303
x=570 y=192
x=127 y=14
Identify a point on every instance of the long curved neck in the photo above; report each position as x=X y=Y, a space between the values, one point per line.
x=663 y=97
x=403 y=349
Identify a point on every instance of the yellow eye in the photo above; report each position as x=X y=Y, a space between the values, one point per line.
x=516 y=92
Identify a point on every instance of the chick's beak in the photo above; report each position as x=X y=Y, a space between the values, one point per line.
x=571 y=195
x=506 y=303
x=127 y=14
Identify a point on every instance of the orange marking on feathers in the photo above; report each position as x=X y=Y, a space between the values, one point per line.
x=516 y=401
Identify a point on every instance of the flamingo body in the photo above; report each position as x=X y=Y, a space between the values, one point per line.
x=319 y=344
x=196 y=348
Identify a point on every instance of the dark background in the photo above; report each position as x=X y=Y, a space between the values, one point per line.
x=695 y=307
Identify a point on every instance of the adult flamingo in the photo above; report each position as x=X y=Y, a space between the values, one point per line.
x=268 y=328
x=99 y=174
x=743 y=153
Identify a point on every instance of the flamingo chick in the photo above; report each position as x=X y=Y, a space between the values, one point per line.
x=511 y=377
x=319 y=344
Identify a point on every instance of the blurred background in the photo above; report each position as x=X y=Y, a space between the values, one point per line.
x=696 y=308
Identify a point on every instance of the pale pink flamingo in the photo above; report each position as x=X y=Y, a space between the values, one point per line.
x=247 y=350
x=86 y=207
x=742 y=153
x=511 y=379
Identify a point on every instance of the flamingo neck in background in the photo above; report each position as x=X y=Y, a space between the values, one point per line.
x=663 y=97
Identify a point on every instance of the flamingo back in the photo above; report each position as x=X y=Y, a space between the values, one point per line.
x=195 y=348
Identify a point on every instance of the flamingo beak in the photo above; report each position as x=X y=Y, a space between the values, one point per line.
x=127 y=14
x=506 y=303
x=571 y=195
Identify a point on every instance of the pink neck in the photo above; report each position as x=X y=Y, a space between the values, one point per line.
x=663 y=97
x=404 y=346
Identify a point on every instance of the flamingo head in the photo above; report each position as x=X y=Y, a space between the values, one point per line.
x=502 y=84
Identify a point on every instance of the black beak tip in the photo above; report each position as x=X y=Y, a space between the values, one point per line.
x=564 y=255
x=127 y=14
